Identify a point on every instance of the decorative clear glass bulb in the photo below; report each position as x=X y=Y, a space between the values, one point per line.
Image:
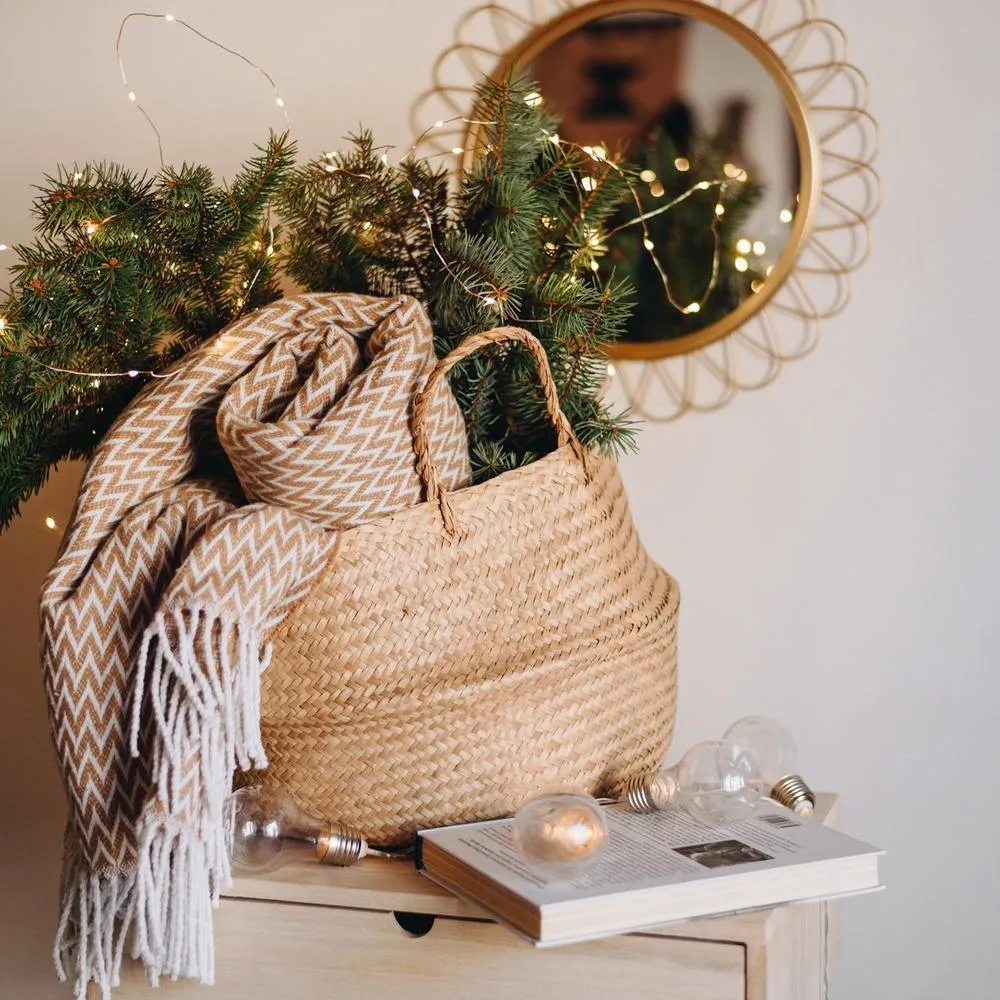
x=266 y=828
x=778 y=758
x=715 y=783
x=561 y=834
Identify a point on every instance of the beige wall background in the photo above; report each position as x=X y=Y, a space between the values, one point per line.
x=835 y=536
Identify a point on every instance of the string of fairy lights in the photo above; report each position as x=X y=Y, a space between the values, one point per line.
x=171 y=19
x=597 y=239
x=494 y=298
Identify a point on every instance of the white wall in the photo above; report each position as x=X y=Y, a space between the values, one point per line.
x=835 y=536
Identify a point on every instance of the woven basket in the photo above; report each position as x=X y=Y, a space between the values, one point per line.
x=461 y=655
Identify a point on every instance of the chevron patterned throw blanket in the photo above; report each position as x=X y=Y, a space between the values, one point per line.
x=208 y=510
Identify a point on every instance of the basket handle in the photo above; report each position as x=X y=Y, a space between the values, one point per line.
x=426 y=469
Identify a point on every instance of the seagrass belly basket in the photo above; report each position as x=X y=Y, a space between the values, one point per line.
x=461 y=655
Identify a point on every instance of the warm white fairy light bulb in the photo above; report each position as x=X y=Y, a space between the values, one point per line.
x=715 y=782
x=741 y=264
x=266 y=828
x=694 y=307
x=774 y=749
x=759 y=248
x=648 y=176
x=560 y=835
x=720 y=210
x=786 y=215
x=588 y=183
x=744 y=246
x=50 y=523
x=683 y=164
x=648 y=244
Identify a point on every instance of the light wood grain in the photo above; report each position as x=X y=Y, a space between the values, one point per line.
x=290 y=951
x=792 y=965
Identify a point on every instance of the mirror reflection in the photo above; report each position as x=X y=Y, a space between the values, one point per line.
x=706 y=129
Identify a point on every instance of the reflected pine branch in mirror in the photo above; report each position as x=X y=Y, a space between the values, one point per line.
x=705 y=276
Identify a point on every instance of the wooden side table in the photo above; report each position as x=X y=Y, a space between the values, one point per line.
x=306 y=931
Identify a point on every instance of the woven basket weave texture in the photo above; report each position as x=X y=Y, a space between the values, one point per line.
x=461 y=655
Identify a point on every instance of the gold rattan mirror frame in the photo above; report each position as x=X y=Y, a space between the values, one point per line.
x=536 y=41
x=826 y=96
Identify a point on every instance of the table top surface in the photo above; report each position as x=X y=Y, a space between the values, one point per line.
x=383 y=884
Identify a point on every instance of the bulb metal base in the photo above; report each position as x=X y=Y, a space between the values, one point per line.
x=650 y=792
x=338 y=845
x=793 y=793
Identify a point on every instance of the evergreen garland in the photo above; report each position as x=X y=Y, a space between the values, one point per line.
x=685 y=237
x=513 y=246
x=126 y=275
x=129 y=272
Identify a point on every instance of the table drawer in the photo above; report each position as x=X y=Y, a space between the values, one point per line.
x=292 y=951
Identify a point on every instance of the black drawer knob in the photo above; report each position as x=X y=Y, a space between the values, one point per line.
x=415 y=924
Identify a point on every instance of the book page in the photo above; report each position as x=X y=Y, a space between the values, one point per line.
x=646 y=851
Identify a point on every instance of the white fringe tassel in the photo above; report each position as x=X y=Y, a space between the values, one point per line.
x=174 y=897
x=204 y=692
x=96 y=914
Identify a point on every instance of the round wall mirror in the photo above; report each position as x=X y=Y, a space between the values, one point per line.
x=747 y=135
x=715 y=134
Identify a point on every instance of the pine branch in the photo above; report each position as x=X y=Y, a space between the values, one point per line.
x=125 y=275
x=127 y=272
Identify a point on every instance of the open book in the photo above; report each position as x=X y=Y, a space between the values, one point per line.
x=656 y=868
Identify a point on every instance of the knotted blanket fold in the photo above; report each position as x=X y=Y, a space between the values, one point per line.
x=208 y=510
